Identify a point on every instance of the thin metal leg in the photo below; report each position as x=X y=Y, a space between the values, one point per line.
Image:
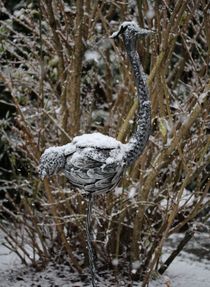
x=89 y=239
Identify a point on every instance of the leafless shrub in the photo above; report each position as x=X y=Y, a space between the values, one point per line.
x=65 y=77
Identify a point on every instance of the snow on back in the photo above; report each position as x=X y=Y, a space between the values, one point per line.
x=97 y=140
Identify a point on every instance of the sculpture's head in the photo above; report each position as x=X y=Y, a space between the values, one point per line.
x=52 y=162
x=130 y=32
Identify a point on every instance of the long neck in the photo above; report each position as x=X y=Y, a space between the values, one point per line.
x=141 y=133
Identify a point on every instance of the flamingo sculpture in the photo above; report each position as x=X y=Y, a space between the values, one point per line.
x=94 y=163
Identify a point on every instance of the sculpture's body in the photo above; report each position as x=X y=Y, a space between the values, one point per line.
x=91 y=162
x=95 y=162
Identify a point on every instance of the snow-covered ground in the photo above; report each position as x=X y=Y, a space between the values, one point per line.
x=187 y=270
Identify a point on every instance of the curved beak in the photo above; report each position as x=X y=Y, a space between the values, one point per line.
x=117 y=33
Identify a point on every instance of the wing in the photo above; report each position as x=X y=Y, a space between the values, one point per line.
x=89 y=169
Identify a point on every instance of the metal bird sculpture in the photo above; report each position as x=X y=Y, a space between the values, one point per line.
x=94 y=163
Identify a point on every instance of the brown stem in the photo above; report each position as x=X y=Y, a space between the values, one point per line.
x=188 y=235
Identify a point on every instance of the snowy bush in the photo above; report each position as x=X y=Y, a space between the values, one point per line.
x=62 y=76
